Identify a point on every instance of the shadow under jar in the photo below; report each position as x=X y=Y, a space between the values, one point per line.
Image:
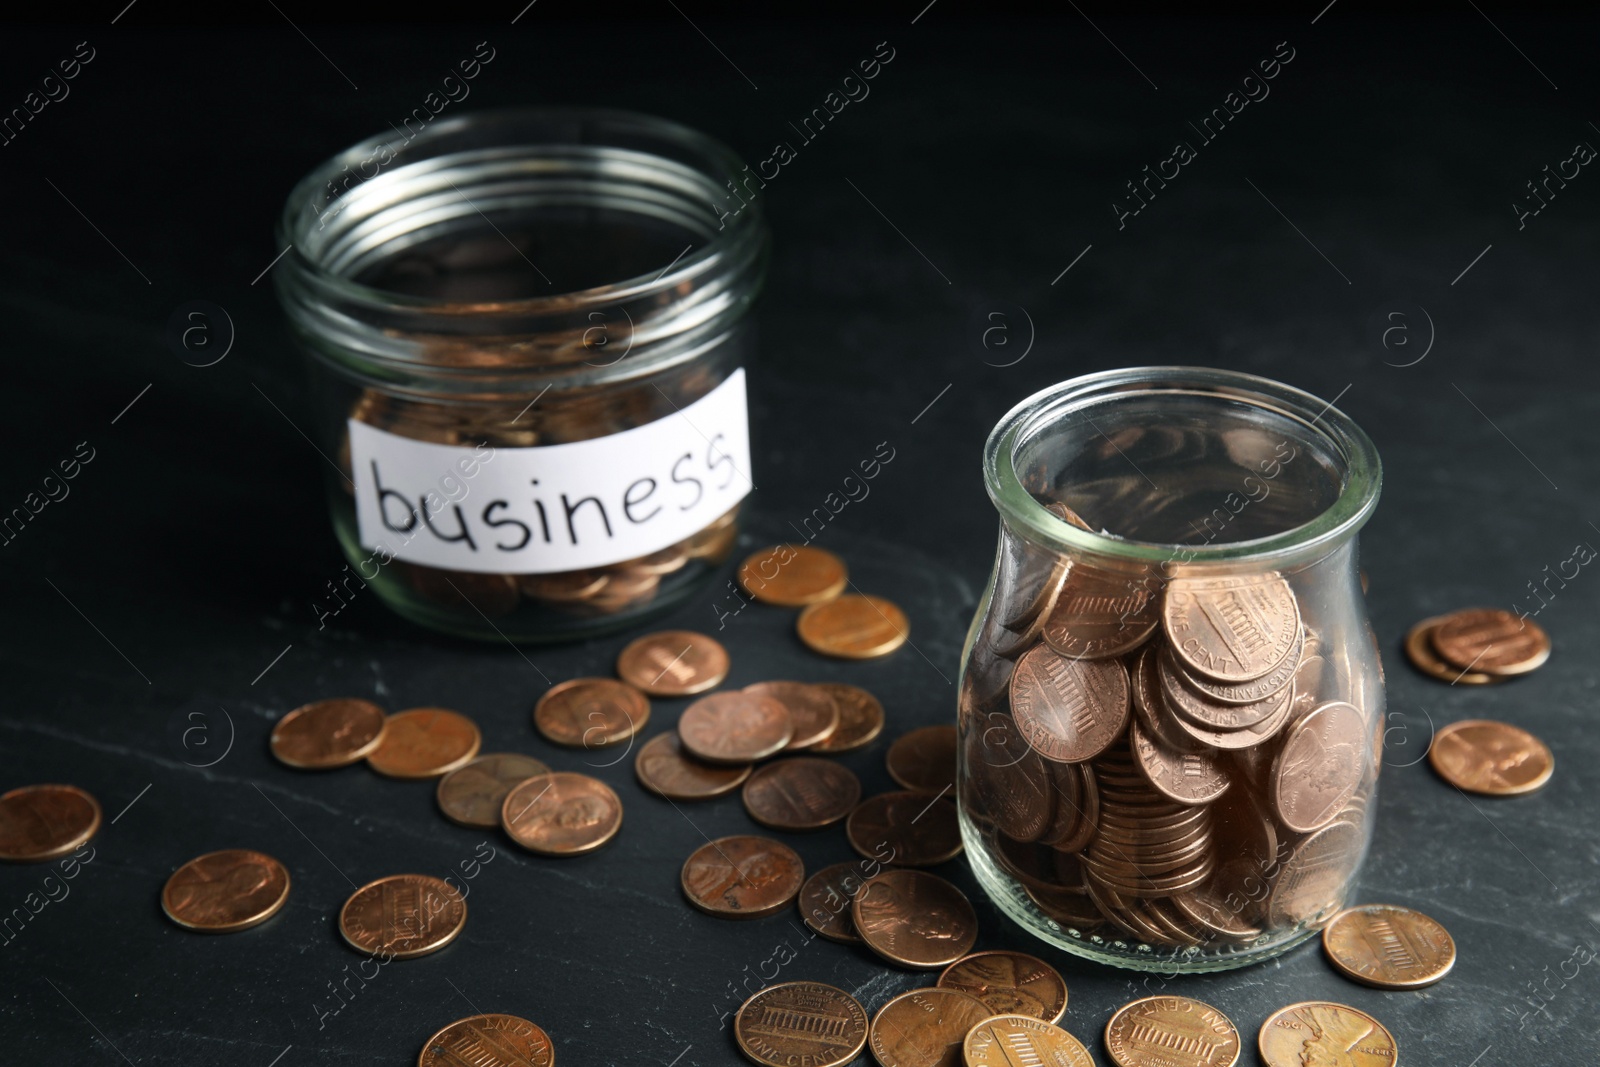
x=527 y=332
x=1171 y=700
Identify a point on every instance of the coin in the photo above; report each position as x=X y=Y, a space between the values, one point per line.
x=734 y=727
x=472 y=795
x=673 y=663
x=492 y=595
x=914 y=919
x=905 y=829
x=1067 y=515
x=1069 y=710
x=1204 y=711
x=501 y=1040
x=793 y=577
x=1490 y=640
x=801 y=793
x=743 y=877
x=924 y=760
x=1099 y=614
x=1231 y=629
x=1172 y=1032
x=813 y=712
x=1495 y=759
x=1257 y=689
x=1040 y=580
x=563 y=587
x=425 y=743
x=1187 y=777
x=402 y=916
x=1311 y=886
x=1009 y=782
x=860 y=719
x=1006 y=1040
x=825 y=899
x=591 y=712
x=1320 y=1032
x=1010 y=983
x=43 y=822
x=561 y=814
x=925 y=1028
x=1419 y=650
x=853 y=627
x=801 y=1023
x=1388 y=947
x=1319 y=767
x=664 y=768
x=328 y=733
x=221 y=892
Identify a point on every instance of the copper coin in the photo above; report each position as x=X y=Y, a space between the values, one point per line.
x=328 y=733
x=860 y=719
x=1318 y=1032
x=734 y=727
x=221 y=892
x=1006 y=1040
x=1069 y=710
x=561 y=814
x=1257 y=689
x=1207 y=712
x=1319 y=767
x=801 y=1023
x=563 y=587
x=1492 y=758
x=1008 y=782
x=402 y=916
x=1491 y=640
x=793 y=577
x=1038 y=587
x=591 y=712
x=501 y=1040
x=813 y=712
x=1173 y=1032
x=1150 y=706
x=925 y=1028
x=472 y=795
x=1187 y=777
x=425 y=743
x=664 y=768
x=801 y=793
x=924 y=760
x=825 y=899
x=1067 y=515
x=905 y=829
x=742 y=877
x=853 y=627
x=914 y=919
x=1311 y=886
x=43 y=822
x=1247 y=738
x=1100 y=614
x=1231 y=629
x=1010 y=983
x=673 y=663
x=1420 y=651
x=1388 y=947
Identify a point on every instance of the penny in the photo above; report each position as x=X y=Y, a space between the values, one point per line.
x=328 y=733
x=1144 y=676
x=801 y=793
x=924 y=760
x=925 y=1028
x=1067 y=515
x=1069 y=710
x=1077 y=814
x=1205 y=711
x=1009 y=782
x=801 y=1023
x=1010 y=983
x=742 y=877
x=425 y=743
x=673 y=663
x=734 y=727
x=1043 y=580
x=1311 y=886
x=853 y=627
x=1247 y=738
x=905 y=829
x=1006 y=1040
x=860 y=719
x=664 y=768
x=1495 y=759
x=1099 y=614
x=825 y=899
x=1321 y=1032
x=591 y=712
x=1319 y=767
x=1388 y=947
x=1172 y=1032
x=563 y=587
x=1420 y=651
x=1257 y=689
x=43 y=822
x=561 y=814
x=1492 y=641
x=1187 y=777
x=402 y=916
x=793 y=577
x=1231 y=629
x=1218 y=911
x=221 y=892
x=914 y=919
x=813 y=712
x=472 y=795
x=501 y=1040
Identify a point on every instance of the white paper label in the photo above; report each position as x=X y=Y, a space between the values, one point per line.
x=553 y=507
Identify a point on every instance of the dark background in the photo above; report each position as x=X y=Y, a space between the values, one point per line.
x=191 y=548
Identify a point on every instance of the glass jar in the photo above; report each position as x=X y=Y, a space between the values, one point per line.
x=1171 y=707
x=526 y=331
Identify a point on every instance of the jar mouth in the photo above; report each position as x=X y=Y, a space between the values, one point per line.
x=1343 y=482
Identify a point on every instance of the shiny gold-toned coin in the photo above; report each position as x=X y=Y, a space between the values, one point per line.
x=801 y=793
x=1007 y=1040
x=673 y=663
x=561 y=814
x=1172 y=1032
x=1388 y=946
x=1010 y=983
x=925 y=1028
x=402 y=916
x=1419 y=650
x=734 y=727
x=914 y=919
x=1491 y=640
x=860 y=719
x=801 y=1023
x=854 y=627
x=924 y=760
x=742 y=877
x=328 y=733
x=793 y=577
x=43 y=822
x=221 y=892
x=591 y=712
x=1495 y=759
x=1319 y=1031
x=472 y=794
x=905 y=829
x=664 y=768
x=425 y=743
x=825 y=899
x=813 y=712
x=503 y=1040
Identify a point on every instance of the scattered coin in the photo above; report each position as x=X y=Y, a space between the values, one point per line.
x=925 y=1028
x=673 y=663
x=742 y=877
x=854 y=627
x=1172 y=1032
x=793 y=577
x=664 y=768
x=425 y=743
x=1319 y=767
x=860 y=719
x=1318 y=1032
x=825 y=899
x=1010 y=983
x=1495 y=759
x=1419 y=650
x=801 y=1023
x=328 y=734
x=914 y=919
x=403 y=916
x=1389 y=947
x=1490 y=640
x=1006 y=1040
x=924 y=760
x=905 y=829
x=501 y=1040
x=43 y=822
x=221 y=892
x=472 y=795
x=1069 y=710
x=801 y=793
x=735 y=727
x=561 y=814
x=813 y=712
x=591 y=712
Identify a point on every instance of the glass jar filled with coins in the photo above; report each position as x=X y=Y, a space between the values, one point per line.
x=527 y=333
x=1171 y=702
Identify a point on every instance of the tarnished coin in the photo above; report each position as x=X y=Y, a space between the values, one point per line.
x=1172 y=1032
x=472 y=795
x=1420 y=651
x=853 y=627
x=924 y=760
x=1319 y=767
x=1100 y=614
x=1495 y=759
x=1231 y=629
x=591 y=712
x=402 y=916
x=905 y=829
x=328 y=733
x=43 y=822
x=914 y=919
x=793 y=577
x=1187 y=777
x=801 y=793
x=813 y=713
x=1389 y=947
x=1010 y=983
x=1069 y=710
x=1006 y=1040
x=1318 y=1032
x=734 y=727
x=1311 y=886
x=673 y=663
x=860 y=719
x=825 y=899
x=425 y=743
x=801 y=1023
x=1490 y=640
x=501 y=1040
x=561 y=814
x=925 y=1028
x=664 y=768
x=742 y=877
x=221 y=892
